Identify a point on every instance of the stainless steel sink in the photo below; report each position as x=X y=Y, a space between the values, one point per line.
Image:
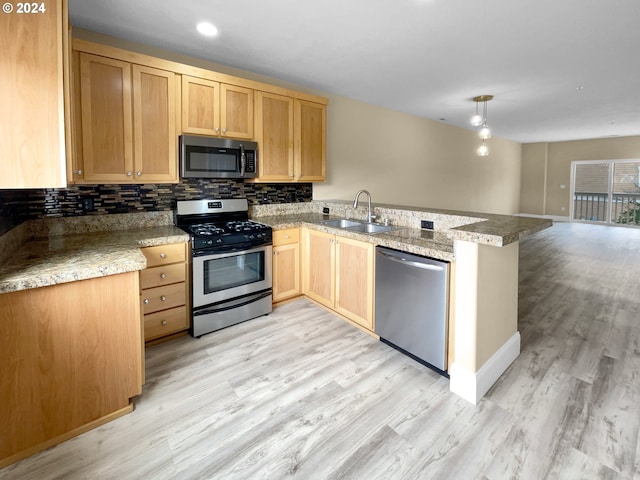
x=341 y=223
x=357 y=226
x=370 y=228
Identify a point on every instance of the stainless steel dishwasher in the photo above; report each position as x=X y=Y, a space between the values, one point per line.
x=411 y=305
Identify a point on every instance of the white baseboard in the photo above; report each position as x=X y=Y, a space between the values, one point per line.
x=472 y=386
x=555 y=218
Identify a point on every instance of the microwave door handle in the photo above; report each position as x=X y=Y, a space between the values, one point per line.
x=242 y=161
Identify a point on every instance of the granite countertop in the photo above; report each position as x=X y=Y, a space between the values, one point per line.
x=44 y=261
x=422 y=242
x=486 y=229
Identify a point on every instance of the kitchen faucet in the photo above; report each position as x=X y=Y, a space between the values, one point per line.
x=370 y=216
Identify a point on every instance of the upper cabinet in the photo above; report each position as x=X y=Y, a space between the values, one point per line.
x=214 y=108
x=34 y=65
x=310 y=141
x=130 y=108
x=127 y=128
x=291 y=136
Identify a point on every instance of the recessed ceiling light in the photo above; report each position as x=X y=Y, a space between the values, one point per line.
x=207 y=29
x=579 y=88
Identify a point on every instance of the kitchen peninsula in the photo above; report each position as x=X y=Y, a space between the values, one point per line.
x=69 y=295
x=483 y=251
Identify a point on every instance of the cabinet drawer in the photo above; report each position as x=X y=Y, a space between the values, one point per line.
x=162 y=298
x=162 y=275
x=283 y=237
x=164 y=254
x=164 y=323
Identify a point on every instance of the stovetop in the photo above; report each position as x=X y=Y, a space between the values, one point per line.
x=220 y=225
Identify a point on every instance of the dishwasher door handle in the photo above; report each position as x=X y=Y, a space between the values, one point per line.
x=404 y=261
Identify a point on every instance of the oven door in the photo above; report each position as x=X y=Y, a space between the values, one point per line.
x=223 y=276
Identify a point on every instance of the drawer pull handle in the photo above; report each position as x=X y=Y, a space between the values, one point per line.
x=163 y=255
x=146 y=301
x=163 y=298
x=163 y=323
x=163 y=275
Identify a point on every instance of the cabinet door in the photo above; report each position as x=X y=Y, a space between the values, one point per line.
x=32 y=133
x=319 y=267
x=236 y=111
x=310 y=141
x=286 y=271
x=200 y=106
x=274 y=125
x=107 y=132
x=354 y=280
x=154 y=125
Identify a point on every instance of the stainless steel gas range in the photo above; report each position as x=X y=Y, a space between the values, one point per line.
x=230 y=263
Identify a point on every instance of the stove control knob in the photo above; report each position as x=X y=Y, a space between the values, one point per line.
x=251 y=236
x=219 y=240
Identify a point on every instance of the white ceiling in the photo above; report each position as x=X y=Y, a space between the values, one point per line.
x=559 y=69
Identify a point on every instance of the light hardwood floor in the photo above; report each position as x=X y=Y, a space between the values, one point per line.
x=302 y=394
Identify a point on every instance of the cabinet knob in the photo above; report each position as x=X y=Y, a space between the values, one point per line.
x=146 y=301
x=129 y=174
x=163 y=275
x=217 y=130
x=287 y=236
x=163 y=255
x=224 y=130
x=77 y=172
x=163 y=323
x=139 y=173
x=163 y=298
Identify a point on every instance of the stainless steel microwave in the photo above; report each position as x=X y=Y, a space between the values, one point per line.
x=212 y=157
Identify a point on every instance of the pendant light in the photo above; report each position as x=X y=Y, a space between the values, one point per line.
x=481 y=121
x=476 y=119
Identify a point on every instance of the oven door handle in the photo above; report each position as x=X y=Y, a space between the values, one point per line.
x=253 y=299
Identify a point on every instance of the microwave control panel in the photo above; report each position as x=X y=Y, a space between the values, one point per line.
x=250 y=158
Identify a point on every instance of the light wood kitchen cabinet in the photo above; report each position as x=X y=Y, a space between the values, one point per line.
x=127 y=129
x=286 y=264
x=310 y=146
x=291 y=135
x=338 y=272
x=214 y=108
x=34 y=63
x=275 y=135
x=355 y=280
x=72 y=360
x=163 y=291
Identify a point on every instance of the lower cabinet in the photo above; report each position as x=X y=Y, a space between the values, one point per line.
x=72 y=360
x=163 y=291
x=286 y=264
x=338 y=272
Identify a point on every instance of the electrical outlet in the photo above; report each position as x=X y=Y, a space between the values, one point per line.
x=325 y=210
x=87 y=204
x=426 y=224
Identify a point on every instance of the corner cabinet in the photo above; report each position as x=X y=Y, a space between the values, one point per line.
x=286 y=264
x=338 y=272
x=163 y=291
x=291 y=135
x=126 y=128
x=214 y=108
x=33 y=94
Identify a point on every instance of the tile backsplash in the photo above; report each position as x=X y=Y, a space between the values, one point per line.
x=17 y=206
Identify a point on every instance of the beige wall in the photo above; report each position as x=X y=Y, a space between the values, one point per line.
x=406 y=160
x=401 y=159
x=543 y=179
